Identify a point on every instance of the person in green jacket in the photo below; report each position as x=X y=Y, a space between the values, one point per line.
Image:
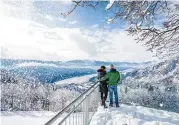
x=113 y=78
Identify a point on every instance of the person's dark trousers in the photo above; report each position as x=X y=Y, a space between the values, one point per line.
x=113 y=89
x=104 y=96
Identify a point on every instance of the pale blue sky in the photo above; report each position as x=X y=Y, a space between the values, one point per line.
x=85 y=34
x=85 y=16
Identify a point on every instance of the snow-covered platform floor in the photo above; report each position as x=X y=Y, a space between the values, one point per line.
x=134 y=115
x=25 y=117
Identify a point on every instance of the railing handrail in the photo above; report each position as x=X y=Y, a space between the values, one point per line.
x=79 y=104
x=92 y=88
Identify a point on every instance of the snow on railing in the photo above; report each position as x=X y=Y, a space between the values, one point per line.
x=80 y=111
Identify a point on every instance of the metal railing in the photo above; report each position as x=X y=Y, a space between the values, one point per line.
x=79 y=111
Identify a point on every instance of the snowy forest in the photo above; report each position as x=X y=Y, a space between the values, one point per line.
x=19 y=94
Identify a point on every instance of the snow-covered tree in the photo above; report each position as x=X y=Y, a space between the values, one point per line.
x=61 y=98
x=19 y=94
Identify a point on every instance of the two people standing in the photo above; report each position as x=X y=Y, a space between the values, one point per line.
x=108 y=82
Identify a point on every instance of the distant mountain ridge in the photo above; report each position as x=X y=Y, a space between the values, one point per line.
x=53 y=71
x=12 y=62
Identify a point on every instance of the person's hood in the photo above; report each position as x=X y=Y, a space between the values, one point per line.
x=101 y=70
x=113 y=70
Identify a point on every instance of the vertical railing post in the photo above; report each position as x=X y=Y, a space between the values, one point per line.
x=86 y=111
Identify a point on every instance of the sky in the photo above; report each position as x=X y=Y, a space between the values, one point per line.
x=36 y=30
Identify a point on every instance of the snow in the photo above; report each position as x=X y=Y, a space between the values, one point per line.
x=134 y=115
x=82 y=79
x=110 y=20
x=111 y=2
x=34 y=64
x=25 y=118
x=37 y=118
x=125 y=114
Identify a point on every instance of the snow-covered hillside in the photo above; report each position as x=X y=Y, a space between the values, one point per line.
x=165 y=72
x=155 y=86
x=134 y=115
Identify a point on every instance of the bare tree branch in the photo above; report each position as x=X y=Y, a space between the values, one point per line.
x=75 y=6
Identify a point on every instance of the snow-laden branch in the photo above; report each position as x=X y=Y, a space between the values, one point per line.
x=111 y=2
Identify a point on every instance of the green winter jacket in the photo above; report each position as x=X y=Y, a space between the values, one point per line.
x=112 y=77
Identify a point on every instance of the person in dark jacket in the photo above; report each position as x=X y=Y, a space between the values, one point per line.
x=103 y=85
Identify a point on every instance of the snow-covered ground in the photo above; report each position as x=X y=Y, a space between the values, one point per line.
x=134 y=115
x=77 y=80
x=129 y=115
x=38 y=118
x=25 y=118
